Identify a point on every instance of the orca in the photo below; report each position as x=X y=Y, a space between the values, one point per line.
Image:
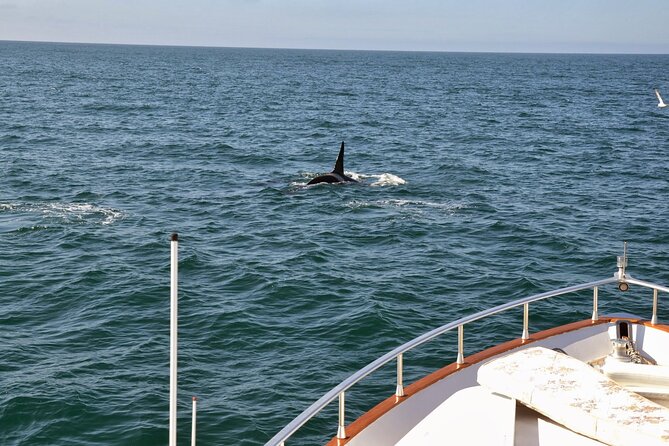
x=337 y=174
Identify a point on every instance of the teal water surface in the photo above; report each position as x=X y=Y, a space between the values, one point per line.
x=482 y=178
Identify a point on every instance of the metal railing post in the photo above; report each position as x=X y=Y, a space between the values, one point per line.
x=595 y=304
x=399 y=390
x=341 y=430
x=526 y=322
x=653 y=319
x=461 y=345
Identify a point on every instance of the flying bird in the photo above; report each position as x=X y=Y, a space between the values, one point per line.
x=661 y=104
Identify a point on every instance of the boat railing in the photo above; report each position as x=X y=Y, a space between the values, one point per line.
x=338 y=392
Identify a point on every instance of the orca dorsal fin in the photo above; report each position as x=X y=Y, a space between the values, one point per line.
x=339 y=165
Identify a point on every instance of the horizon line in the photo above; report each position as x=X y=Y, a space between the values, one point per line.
x=176 y=45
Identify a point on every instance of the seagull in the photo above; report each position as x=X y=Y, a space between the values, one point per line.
x=659 y=98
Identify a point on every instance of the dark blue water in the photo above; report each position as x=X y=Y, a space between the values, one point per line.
x=482 y=178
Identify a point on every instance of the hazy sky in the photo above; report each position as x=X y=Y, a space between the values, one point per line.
x=441 y=25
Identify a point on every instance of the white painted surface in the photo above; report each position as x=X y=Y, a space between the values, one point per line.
x=470 y=416
x=534 y=429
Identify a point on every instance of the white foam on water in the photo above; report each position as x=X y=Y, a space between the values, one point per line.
x=82 y=212
x=409 y=204
x=387 y=179
x=66 y=212
x=383 y=179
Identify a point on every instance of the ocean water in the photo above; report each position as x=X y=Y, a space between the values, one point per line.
x=482 y=178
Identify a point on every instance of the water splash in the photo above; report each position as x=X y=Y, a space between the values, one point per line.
x=387 y=179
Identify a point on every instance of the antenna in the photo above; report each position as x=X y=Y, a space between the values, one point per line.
x=192 y=436
x=174 y=275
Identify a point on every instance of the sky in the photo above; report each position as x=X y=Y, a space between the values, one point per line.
x=575 y=26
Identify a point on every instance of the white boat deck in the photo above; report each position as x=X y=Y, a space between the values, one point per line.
x=493 y=415
x=486 y=418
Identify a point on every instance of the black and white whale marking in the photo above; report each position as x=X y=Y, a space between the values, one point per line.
x=337 y=175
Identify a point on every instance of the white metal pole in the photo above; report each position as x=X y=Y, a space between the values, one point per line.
x=174 y=274
x=192 y=435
